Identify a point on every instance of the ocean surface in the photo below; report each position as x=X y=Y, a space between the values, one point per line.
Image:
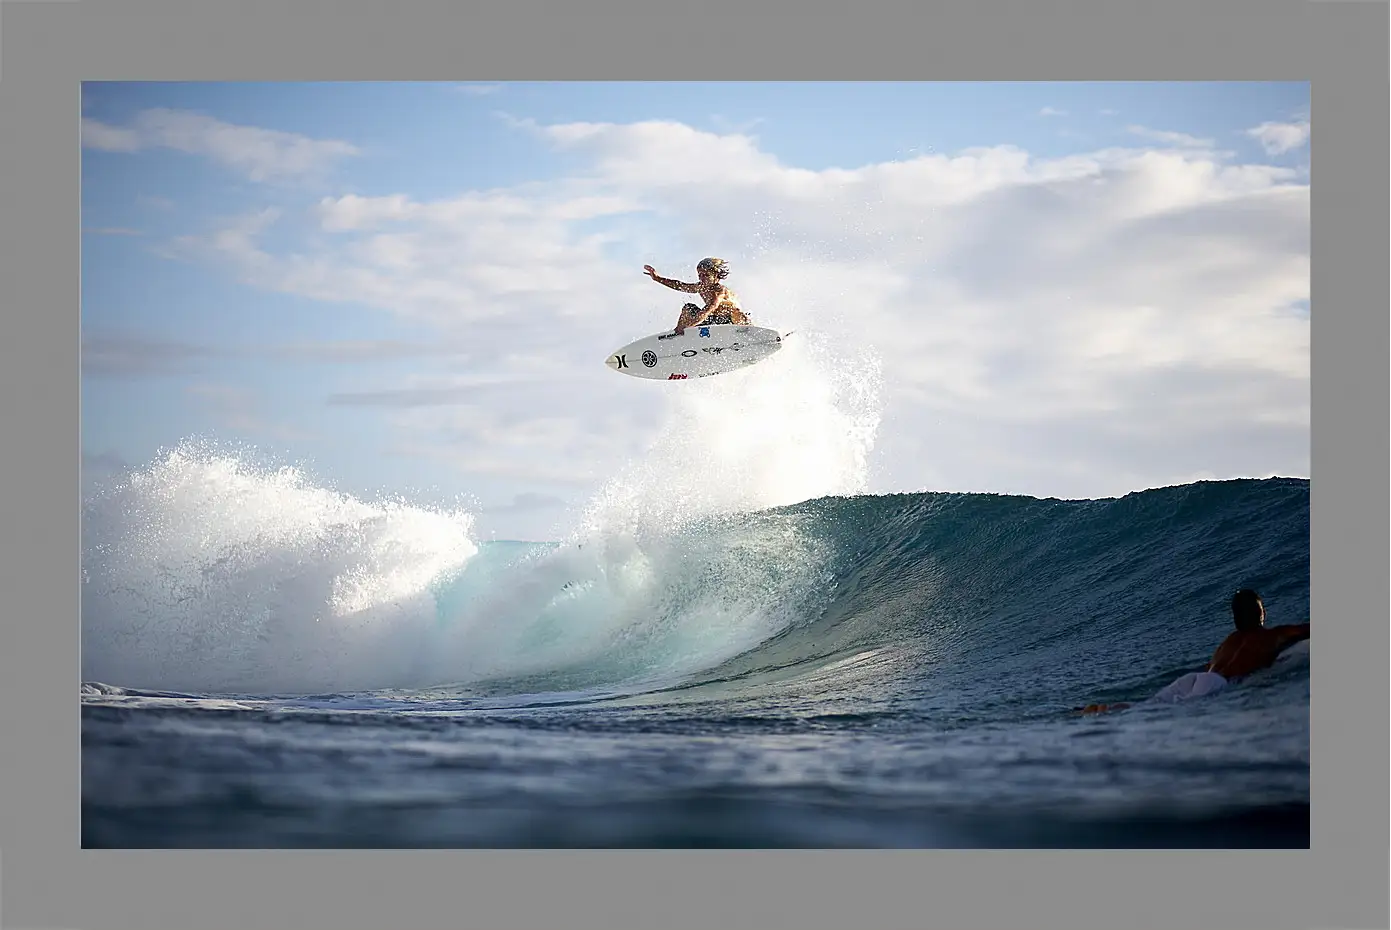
x=268 y=663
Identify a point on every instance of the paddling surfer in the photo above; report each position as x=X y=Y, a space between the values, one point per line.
x=721 y=304
x=1251 y=647
x=1254 y=645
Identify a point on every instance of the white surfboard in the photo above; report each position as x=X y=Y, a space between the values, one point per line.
x=699 y=352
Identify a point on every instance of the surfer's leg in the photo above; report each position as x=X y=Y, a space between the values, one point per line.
x=688 y=313
x=1207 y=683
x=1194 y=684
x=1177 y=690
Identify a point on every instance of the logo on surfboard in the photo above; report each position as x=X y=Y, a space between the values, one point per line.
x=676 y=377
x=649 y=358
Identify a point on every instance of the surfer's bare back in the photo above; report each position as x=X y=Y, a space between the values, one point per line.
x=721 y=304
x=1251 y=647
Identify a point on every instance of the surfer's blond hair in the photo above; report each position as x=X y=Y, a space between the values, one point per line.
x=716 y=266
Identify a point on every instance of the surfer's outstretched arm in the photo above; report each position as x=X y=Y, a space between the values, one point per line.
x=670 y=282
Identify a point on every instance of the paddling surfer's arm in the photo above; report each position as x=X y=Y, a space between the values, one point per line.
x=669 y=282
x=1289 y=635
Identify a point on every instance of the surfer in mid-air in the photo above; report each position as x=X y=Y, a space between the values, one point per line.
x=721 y=304
x=1250 y=647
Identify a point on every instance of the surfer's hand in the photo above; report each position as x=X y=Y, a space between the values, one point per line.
x=650 y=271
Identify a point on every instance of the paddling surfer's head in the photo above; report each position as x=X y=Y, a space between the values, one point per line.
x=1248 y=611
x=711 y=270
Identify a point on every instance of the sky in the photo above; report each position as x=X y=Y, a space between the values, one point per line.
x=1059 y=289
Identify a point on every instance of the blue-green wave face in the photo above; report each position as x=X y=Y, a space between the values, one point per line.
x=945 y=597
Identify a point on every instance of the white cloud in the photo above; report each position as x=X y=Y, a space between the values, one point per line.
x=102 y=137
x=1052 y=111
x=723 y=124
x=235 y=241
x=1166 y=137
x=1073 y=326
x=259 y=154
x=1279 y=138
x=477 y=90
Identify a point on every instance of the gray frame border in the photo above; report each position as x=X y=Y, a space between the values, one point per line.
x=47 y=47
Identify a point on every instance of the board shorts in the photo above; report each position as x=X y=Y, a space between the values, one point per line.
x=1192 y=685
x=717 y=316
